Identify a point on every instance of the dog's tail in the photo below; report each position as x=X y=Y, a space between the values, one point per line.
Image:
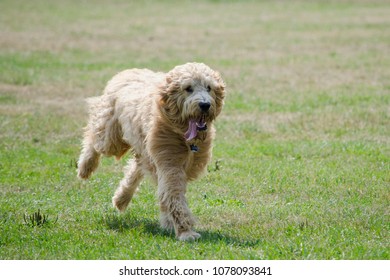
x=89 y=158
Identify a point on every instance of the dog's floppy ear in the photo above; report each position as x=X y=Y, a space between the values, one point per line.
x=219 y=89
x=219 y=86
x=167 y=88
x=168 y=102
x=164 y=90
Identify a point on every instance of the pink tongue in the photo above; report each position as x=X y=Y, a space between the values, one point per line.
x=192 y=130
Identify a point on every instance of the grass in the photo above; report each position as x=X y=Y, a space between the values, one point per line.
x=302 y=157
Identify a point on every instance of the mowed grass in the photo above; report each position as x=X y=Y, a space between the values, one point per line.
x=301 y=165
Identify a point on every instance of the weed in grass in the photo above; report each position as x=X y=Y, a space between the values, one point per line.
x=216 y=167
x=38 y=219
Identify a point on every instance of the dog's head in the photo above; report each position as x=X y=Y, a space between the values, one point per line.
x=192 y=96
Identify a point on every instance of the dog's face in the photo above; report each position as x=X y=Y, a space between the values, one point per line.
x=193 y=96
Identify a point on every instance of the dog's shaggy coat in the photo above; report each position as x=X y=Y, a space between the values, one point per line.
x=166 y=119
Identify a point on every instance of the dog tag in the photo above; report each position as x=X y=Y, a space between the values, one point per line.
x=194 y=148
x=204 y=128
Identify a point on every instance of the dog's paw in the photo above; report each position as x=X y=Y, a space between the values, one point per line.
x=188 y=236
x=85 y=169
x=166 y=221
x=119 y=202
x=83 y=173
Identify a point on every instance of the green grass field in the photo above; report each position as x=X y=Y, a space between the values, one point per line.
x=301 y=164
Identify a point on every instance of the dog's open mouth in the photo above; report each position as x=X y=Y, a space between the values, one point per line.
x=194 y=126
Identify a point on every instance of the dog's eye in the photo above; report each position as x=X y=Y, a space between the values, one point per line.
x=208 y=88
x=189 y=89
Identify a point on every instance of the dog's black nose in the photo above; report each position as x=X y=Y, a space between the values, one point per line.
x=204 y=106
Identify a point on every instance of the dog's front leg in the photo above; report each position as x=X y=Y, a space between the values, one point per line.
x=174 y=209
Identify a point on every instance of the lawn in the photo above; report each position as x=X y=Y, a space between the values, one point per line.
x=301 y=163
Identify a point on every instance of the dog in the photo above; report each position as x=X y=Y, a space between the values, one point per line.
x=166 y=121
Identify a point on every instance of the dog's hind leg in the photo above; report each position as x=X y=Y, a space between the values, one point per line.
x=128 y=185
x=89 y=157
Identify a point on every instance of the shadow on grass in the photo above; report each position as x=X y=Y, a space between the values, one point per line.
x=125 y=223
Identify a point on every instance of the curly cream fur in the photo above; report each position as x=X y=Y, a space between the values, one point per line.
x=148 y=113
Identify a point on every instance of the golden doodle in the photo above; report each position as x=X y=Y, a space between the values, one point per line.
x=166 y=120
